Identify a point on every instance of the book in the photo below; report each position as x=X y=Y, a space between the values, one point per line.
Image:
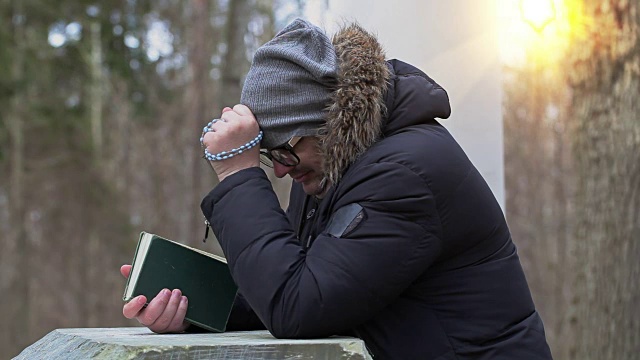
x=202 y=277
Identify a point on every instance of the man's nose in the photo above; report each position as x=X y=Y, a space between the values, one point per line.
x=281 y=170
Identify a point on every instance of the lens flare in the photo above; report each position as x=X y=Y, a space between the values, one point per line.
x=537 y=13
x=538 y=32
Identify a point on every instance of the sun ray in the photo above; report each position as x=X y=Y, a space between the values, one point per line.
x=538 y=31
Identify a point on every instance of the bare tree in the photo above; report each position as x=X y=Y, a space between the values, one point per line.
x=573 y=184
x=16 y=120
x=605 y=78
x=96 y=93
x=198 y=105
x=538 y=179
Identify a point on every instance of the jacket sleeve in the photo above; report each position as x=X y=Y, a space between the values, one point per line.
x=242 y=317
x=339 y=282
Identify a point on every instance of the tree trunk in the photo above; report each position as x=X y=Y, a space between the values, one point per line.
x=197 y=101
x=20 y=297
x=235 y=63
x=539 y=183
x=92 y=264
x=605 y=78
x=95 y=90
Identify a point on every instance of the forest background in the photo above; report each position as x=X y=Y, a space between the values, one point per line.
x=102 y=103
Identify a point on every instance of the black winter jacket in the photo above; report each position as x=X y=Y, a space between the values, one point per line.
x=408 y=250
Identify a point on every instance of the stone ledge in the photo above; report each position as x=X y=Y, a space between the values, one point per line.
x=140 y=343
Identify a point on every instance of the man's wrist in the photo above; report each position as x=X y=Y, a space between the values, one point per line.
x=223 y=174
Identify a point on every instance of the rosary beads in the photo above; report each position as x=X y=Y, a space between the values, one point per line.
x=226 y=154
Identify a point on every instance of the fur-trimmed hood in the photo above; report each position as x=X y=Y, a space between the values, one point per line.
x=365 y=97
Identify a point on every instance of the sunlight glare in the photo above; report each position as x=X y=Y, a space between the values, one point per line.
x=522 y=43
x=537 y=13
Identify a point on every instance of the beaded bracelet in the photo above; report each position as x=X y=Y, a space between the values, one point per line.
x=226 y=154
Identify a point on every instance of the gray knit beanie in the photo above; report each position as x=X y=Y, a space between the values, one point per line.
x=290 y=82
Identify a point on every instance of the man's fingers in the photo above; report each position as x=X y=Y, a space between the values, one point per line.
x=125 y=270
x=226 y=108
x=155 y=308
x=242 y=110
x=230 y=116
x=163 y=321
x=131 y=309
x=177 y=324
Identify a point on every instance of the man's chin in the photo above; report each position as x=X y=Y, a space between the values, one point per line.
x=311 y=187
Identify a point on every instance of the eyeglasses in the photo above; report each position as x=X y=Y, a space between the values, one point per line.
x=283 y=154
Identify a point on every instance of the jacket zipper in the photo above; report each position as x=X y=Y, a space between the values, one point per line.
x=309 y=214
x=206 y=230
x=301 y=218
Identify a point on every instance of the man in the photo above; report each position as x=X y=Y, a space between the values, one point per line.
x=391 y=234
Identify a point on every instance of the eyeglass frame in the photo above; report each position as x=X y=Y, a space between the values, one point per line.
x=288 y=147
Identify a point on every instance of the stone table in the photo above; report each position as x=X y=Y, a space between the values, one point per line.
x=140 y=343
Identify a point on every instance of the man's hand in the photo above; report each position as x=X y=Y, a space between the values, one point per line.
x=238 y=127
x=164 y=314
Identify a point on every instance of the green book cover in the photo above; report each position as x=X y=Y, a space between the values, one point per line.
x=203 y=278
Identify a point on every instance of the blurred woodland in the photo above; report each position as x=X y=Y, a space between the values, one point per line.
x=102 y=104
